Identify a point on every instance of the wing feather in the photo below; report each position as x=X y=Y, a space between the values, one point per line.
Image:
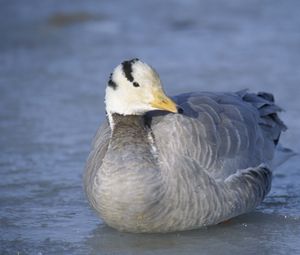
x=223 y=132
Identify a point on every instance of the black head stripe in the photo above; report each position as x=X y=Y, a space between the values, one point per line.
x=111 y=83
x=127 y=68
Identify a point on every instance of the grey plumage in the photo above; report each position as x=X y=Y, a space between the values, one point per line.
x=167 y=172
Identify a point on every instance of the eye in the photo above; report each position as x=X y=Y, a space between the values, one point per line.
x=135 y=84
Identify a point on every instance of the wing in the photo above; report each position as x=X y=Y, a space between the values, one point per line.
x=224 y=132
x=99 y=148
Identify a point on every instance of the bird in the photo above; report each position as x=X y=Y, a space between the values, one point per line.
x=160 y=164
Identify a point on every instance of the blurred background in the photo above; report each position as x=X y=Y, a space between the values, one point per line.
x=55 y=59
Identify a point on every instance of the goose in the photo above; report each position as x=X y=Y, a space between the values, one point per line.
x=160 y=165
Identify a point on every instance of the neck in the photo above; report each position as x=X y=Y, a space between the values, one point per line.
x=130 y=123
x=117 y=119
x=130 y=136
x=121 y=121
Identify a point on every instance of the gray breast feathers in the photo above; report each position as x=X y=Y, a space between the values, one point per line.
x=94 y=162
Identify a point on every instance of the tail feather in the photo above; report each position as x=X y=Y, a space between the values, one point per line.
x=282 y=154
x=268 y=111
x=268 y=96
x=270 y=122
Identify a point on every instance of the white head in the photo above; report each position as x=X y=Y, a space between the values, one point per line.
x=134 y=88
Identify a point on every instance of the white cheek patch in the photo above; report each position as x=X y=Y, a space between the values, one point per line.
x=128 y=100
x=130 y=88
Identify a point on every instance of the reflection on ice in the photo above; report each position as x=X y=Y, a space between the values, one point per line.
x=251 y=233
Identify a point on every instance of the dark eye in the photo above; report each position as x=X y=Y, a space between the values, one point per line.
x=136 y=84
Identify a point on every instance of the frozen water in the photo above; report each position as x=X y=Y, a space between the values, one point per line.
x=56 y=56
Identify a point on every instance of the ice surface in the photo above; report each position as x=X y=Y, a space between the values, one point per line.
x=56 y=57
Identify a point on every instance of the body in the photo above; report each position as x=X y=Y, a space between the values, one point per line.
x=162 y=172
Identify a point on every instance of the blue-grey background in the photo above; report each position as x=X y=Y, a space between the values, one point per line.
x=55 y=59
